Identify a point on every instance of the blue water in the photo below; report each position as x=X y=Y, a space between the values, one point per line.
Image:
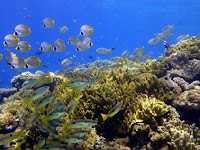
x=119 y=24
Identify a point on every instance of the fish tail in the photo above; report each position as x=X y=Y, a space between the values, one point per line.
x=126 y=60
x=64 y=84
x=169 y=33
x=110 y=50
x=142 y=48
x=173 y=26
x=188 y=36
x=141 y=56
x=43 y=119
x=103 y=77
x=138 y=62
x=26 y=101
x=104 y=116
x=60 y=29
x=71 y=91
x=33 y=110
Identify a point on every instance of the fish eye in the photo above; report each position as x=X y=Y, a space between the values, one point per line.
x=9 y=63
x=81 y=33
x=69 y=42
x=18 y=48
x=41 y=48
x=77 y=49
x=6 y=44
x=12 y=66
x=54 y=48
x=44 y=25
x=90 y=43
x=16 y=33
x=26 y=66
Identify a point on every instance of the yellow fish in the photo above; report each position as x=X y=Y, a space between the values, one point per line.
x=113 y=111
x=86 y=30
x=32 y=62
x=59 y=45
x=1 y=56
x=10 y=40
x=22 y=30
x=23 y=46
x=48 y=23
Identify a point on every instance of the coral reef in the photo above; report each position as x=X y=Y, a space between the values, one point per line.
x=7 y=92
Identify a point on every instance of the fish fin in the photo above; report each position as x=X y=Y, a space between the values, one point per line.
x=103 y=77
x=60 y=29
x=64 y=84
x=33 y=110
x=188 y=36
x=43 y=119
x=142 y=48
x=104 y=116
x=91 y=30
x=126 y=60
x=173 y=26
x=26 y=101
x=71 y=91
x=141 y=56
x=110 y=50
x=169 y=33
x=138 y=62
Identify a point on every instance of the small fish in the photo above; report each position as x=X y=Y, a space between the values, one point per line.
x=112 y=112
x=23 y=46
x=183 y=37
x=119 y=59
x=52 y=116
x=18 y=63
x=10 y=57
x=32 y=62
x=63 y=29
x=87 y=43
x=73 y=105
x=125 y=53
x=91 y=57
x=79 y=133
x=39 y=93
x=22 y=30
x=104 y=50
x=59 y=45
x=138 y=50
x=71 y=139
x=59 y=105
x=163 y=34
x=78 y=84
x=86 y=71
x=154 y=41
x=27 y=16
x=82 y=123
x=167 y=46
x=10 y=40
x=44 y=65
x=80 y=47
x=44 y=101
x=167 y=28
x=30 y=83
x=1 y=56
x=86 y=30
x=6 y=138
x=66 y=62
x=147 y=56
x=45 y=47
x=73 y=40
x=74 y=56
x=48 y=23
x=38 y=52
